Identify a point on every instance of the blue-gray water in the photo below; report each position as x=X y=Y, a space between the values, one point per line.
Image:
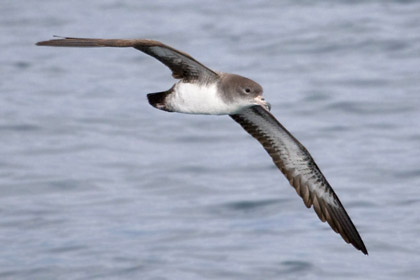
x=95 y=183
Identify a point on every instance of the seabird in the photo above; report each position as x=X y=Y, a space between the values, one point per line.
x=201 y=90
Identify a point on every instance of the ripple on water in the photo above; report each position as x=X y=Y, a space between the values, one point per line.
x=368 y=108
x=95 y=183
x=289 y=267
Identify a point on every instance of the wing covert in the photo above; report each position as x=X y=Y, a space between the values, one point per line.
x=182 y=65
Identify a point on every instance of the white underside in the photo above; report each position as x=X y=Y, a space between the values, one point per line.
x=194 y=99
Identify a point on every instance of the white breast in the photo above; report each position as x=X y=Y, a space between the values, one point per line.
x=195 y=99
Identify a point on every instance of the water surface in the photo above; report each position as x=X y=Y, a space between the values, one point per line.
x=95 y=183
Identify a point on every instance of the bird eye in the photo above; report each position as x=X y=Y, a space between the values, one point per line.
x=247 y=90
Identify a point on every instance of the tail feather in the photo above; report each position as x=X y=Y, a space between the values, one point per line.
x=158 y=100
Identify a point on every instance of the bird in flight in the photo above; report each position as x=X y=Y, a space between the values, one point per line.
x=201 y=90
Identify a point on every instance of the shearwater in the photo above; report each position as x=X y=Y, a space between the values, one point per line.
x=201 y=90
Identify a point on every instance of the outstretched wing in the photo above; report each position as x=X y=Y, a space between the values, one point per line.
x=182 y=65
x=292 y=158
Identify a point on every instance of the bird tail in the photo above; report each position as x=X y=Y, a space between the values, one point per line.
x=158 y=100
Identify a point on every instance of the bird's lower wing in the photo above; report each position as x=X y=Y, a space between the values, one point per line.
x=182 y=65
x=292 y=158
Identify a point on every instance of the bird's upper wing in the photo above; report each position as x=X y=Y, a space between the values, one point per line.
x=292 y=158
x=182 y=65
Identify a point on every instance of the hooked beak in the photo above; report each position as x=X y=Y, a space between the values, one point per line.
x=259 y=100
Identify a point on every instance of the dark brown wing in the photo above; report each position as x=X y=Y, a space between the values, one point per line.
x=300 y=169
x=183 y=66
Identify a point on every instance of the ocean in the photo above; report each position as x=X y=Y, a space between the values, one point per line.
x=97 y=184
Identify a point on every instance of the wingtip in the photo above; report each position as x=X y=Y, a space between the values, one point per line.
x=364 y=251
x=361 y=247
x=359 y=244
x=48 y=43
